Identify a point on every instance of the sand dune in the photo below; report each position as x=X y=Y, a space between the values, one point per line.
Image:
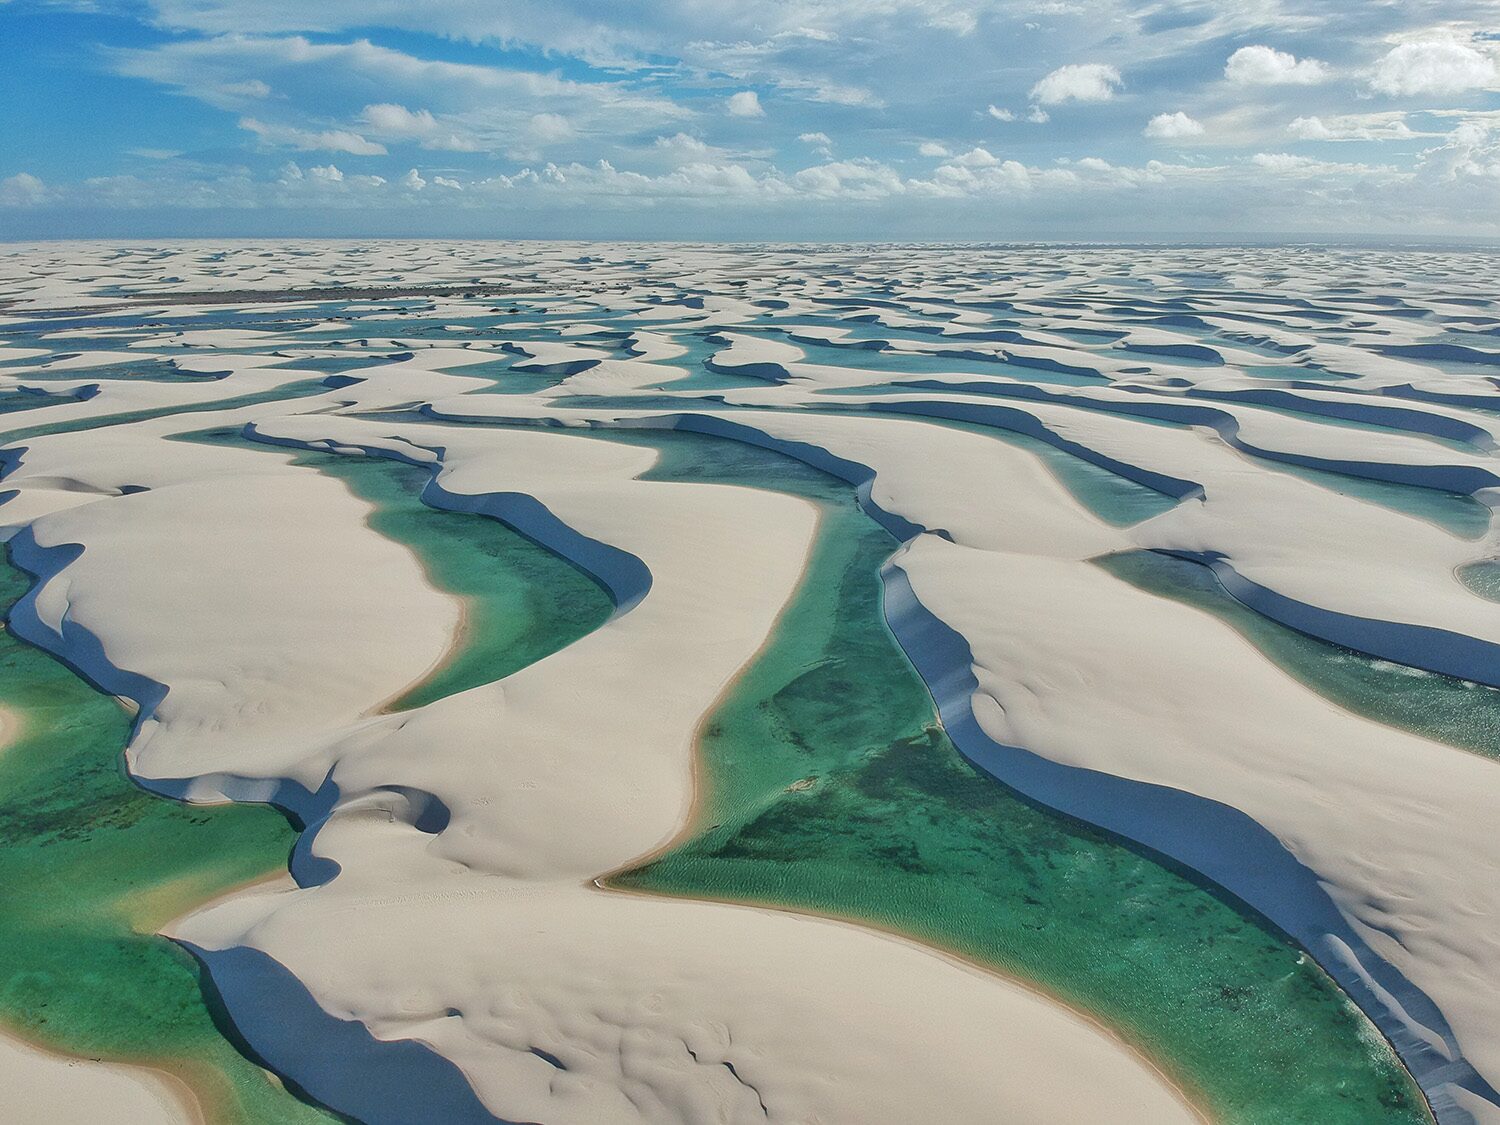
x=1011 y=427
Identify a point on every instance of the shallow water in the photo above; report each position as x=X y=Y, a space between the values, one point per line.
x=298 y=389
x=1458 y=712
x=12 y=402
x=521 y=601
x=1454 y=512
x=1108 y=495
x=85 y=973
x=830 y=787
x=92 y=866
x=1483 y=578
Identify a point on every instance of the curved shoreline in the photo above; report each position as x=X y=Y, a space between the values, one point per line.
x=943 y=668
x=174 y=1098
x=1227 y=868
x=951 y=661
x=956 y=957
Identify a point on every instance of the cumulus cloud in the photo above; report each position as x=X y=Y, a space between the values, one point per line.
x=620 y=83
x=977 y=172
x=822 y=143
x=1309 y=129
x=850 y=179
x=1266 y=66
x=1172 y=127
x=682 y=148
x=1471 y=151
x=550 y=128
x=1433 y=67
x=1079 y=82
x=745 y=104
x=333 y=140
x=22 y=190
x=397 y=123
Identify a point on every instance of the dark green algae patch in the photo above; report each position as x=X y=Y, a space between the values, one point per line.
x=829 y=787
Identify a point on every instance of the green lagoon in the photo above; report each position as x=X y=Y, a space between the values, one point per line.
x=830 y=787
x=93 y=865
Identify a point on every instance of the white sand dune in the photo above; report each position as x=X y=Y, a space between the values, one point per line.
x=46 y=1089
x=448 y=894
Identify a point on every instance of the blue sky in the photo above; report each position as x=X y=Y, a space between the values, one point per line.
x=758 y=119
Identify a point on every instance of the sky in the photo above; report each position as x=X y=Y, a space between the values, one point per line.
x=751 y=119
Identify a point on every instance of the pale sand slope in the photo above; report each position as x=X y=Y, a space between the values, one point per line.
x=1306 y=542
x=245 y=562
x=824 y=1020
x=1397 y=828
x=1300 y=540
x=46 y=1089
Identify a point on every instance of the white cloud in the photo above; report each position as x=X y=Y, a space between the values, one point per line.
x=412 y=181
x=1433 y=67
x=1266 y=66
x=326 y=182
x=821 y=143
x=22 y=190
x=397 y=123
x=850 y=179
x=333 y=140
x=550 y=128
x=932 y=148
x=1000 y=114
x=745 y=104
x=1340 y=175
x=958 y=21
x=1281 y=161
x=975 y=173
x=445 y=182
x=1310 y=129
x=1081 y=82
x=249 y=88
x=976 y=157
x=684 y=148
x=1172 y=127
x=1351 y=127
x=1038 y=116
x=468 y=107
x=1471 y=151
